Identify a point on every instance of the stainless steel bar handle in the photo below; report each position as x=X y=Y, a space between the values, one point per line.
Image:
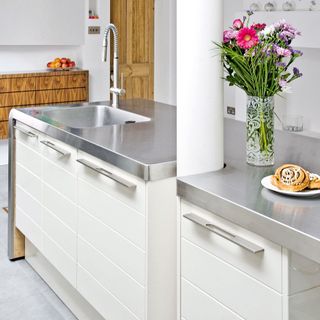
x=253 y=248
x=106 y=173
x=52 y=146
x=26 y=132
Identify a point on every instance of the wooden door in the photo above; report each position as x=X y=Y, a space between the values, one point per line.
x=135 y=22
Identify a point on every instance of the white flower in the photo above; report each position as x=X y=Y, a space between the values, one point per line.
x=268 y=30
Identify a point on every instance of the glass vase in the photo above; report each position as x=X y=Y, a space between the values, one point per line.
x=260 y=131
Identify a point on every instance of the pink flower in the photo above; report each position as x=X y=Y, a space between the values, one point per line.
x=282 y=51
x=247 y=38
x=229 y=35
x=237 y=24
x=259 y=26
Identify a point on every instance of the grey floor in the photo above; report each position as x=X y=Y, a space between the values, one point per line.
x=23 y=294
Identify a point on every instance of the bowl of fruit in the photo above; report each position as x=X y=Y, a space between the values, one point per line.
x=61 y=64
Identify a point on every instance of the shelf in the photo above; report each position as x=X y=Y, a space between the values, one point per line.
x=304 y=21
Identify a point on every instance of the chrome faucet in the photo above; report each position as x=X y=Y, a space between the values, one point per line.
x=115 y=90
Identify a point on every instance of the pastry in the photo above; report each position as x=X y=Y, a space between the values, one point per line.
x=290 y=177
x=314 y=182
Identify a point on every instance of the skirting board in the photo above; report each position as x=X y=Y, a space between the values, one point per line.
x=71 y=298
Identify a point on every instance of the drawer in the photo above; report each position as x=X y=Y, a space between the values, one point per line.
x=17 y=99
x=196 y=305
x=60 y=206
x=78 y=81
x=29 y=228
x=28 y=158
x=113 y=213
x=4 y=113
x=52 y=82
x=30 y=206
x=101 y=299
x=112 y=278
x=62 y=82
x=61 y=95
x=29 y=182
x=60 y=179
x=113 y=246
x=60 y=259
x=17 y=84
x=134 y=198
x=63 y=235
x=59 y=153
x=233 y=288
x=28 y=136
x=265 y=266
x=4 y=129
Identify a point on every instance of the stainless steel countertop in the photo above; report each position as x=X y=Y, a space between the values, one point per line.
x=147 y=150
x=236 y=194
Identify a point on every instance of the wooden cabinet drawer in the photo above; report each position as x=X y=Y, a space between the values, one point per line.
x=17 y=84
x=113 y=246
x=133 y=197
x=197 y=305
x=17 y=99
x=61 y=96
x=62 y=82
x=233 y=288
x=113 y=213
x=112 y=278
x=4 y=129
x=265 y=266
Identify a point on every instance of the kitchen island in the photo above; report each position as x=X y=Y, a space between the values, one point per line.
x=263 y=247
x=93 y=191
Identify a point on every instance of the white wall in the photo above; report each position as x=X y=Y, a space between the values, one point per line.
x=304 y=99
x=165 y=63
x=88 y=56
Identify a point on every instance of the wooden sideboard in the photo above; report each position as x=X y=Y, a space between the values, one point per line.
x=39 y=88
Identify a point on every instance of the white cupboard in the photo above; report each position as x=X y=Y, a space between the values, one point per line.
x=110 y=234
x=228 y=272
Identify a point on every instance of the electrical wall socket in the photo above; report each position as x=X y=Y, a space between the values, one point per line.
x=231 y=111
x=93 y=30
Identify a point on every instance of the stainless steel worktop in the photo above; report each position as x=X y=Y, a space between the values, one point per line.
x=146 y=149
x=236 y=194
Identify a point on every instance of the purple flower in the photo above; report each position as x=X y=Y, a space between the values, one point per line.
x=229 y=35
x=281 y=65
x=297 y=53
x=282 y=52
x=250 y=13
x=297 y=72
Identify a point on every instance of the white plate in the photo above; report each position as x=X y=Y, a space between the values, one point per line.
x=266 y=182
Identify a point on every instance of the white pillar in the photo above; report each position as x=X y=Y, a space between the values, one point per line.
x=199 y=86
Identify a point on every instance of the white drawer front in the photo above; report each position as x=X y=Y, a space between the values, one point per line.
x=63 y=235
x=197 y=305
x=111 y=244
x=241 y=293
x=29 y=182
x=112 y=212
x=101 y=299
x=67 y=162
x=29 y=158
x=60 y=179
x=28 y=136
x=134 y=198
x=29 y=228
x=60 y=259
x=60 y=206
x=129 y=292
x=29 y=205
x=265 y=266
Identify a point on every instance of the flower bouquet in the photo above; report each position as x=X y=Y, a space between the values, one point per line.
x=258 y=58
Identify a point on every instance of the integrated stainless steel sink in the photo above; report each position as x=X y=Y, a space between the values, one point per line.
x=90 y=116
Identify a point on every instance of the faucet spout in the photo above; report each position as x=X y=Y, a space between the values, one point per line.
x=115 y=90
